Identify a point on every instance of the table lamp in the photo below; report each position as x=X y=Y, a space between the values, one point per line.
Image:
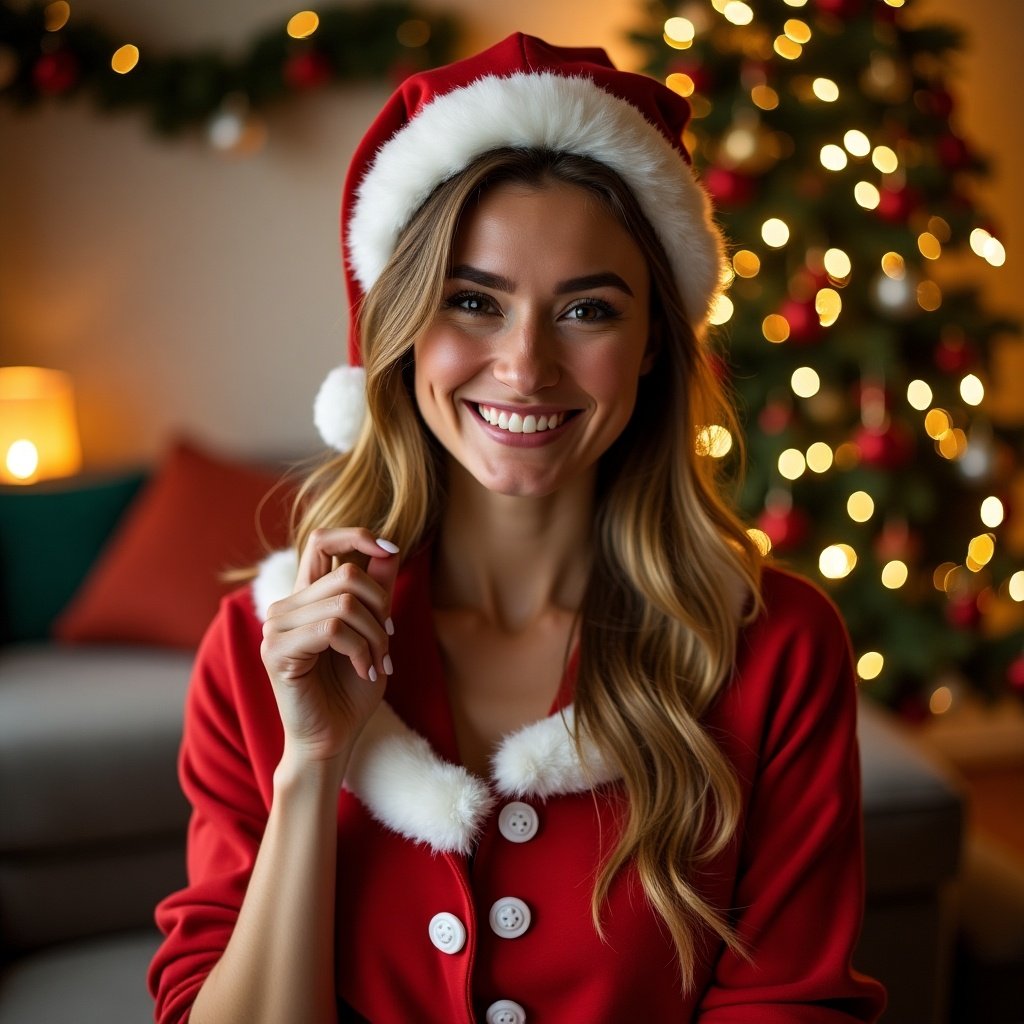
x=38 y=431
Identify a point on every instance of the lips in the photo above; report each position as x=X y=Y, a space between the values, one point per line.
x=523 y=422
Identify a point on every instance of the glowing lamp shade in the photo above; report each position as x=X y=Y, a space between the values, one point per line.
x=38 y=431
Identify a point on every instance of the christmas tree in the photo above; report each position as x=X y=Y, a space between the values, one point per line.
x=826 y=132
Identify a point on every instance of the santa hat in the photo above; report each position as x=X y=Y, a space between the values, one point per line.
x=522 y=93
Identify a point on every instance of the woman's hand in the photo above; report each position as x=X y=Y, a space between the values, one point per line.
x=325 y=646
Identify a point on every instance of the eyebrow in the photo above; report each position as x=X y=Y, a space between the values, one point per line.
x=604 y=279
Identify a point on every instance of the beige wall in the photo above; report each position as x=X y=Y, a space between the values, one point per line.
x=185 y=291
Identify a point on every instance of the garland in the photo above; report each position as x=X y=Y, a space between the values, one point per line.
x=48 y=51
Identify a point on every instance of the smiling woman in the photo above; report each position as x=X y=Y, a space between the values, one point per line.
x=596 y=762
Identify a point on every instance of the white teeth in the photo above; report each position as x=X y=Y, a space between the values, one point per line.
x=516 y=424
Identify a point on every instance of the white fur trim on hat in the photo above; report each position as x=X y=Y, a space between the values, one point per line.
x=545 y=111
x=340 y=407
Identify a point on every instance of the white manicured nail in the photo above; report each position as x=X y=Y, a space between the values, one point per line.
x=373 y=674
x=388 y=667
x=388 y=546
x=389 y=626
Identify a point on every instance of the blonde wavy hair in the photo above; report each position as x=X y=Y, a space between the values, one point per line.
x=674 y=573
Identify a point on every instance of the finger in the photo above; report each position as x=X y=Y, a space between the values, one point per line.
x=346 y=578
x=384 y=572
x=292 y=654
x=324 y=545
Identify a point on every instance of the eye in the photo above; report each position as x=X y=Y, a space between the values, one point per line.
x=470 y=302
x=590 y=311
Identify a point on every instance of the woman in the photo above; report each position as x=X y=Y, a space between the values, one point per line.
x=594 y=764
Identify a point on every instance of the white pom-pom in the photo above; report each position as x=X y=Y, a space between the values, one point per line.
x=275 y=580
x=340 y=407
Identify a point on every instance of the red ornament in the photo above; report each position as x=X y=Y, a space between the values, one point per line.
x=891 y=447
x=306 y=70
x=774 y=418
x=786 y=528
x=897 y=541
x=55 y=73
x=728 y=187
x=953 y=152
x=840 y=8
x=895 y=205
x=804 y=326
x=1015 y=674
x=963 y=611
x=955 y=355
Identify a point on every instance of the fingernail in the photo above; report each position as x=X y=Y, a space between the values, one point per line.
x=388 y=546
x=373 y=674
x=388 y=667
x=389 y=626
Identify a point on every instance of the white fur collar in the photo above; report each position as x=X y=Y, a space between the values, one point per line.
x=403 y=783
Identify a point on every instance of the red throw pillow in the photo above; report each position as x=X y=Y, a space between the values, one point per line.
x=158 y=580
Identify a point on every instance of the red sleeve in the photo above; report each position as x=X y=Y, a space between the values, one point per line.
x=799 y=894
x=229 y=740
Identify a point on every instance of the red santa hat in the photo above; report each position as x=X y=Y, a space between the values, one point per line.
x=522 y=93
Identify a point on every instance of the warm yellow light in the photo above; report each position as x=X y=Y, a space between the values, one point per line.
x=819 y=457
x=952 y=444
x=795 y=3
x=828 y=304
x=740 y=144
x=1016 y=586
x=847 y=455
x=919 y=395
x=775 y=232
x=994 y=253
x=797 y=30
x=941 y=699
x=938 y=423
x=680 y=83
x=832 y=157
x=837 y=561
x=825 y=89
x=765 y=97
x=714 y=440
x=805 y=382
x=866 y=195
x=838 y=264
x=929 y=296
x=981 y=549
x=761 y=539
x=940 y=229
x=125 y=58
x=55 y=15
x=857 y=143
x=885 y=159
x=972 y=391
x=929 y=245
x=38 y=432
x=746 y=263
x=680 y=30
x=738 y=12
x=869 y=665
x=979 y=238
x=942 y=577
x=303 y=24
x=775 y=328
x=860 y=506
x=792 y=464
x=894 y=266
x=894 y=574
x=992 y=512
x=721 y=310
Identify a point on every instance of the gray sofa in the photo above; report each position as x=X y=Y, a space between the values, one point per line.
x=92 y=835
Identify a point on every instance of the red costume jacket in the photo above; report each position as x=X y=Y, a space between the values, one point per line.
x=463 y=900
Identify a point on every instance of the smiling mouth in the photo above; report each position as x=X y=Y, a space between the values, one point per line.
x=515 y=423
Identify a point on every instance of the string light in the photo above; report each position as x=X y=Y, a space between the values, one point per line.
x=838 y=264
x=942 y=575
x=828 y=305
x=1016 y=586
x=680 y=83
x=832 y=157
x=805 y=382
x=869 y=665
x=940 y=229
x=714 y=440
x=847 y=455
x=980 y=550
x=992 y=512
x=775 y=232
x=679 y=33
x=797 y=30
x=866 y=195
x=929 y=246
x=792 y=464
x=837 y=561
x=775 y=328
x=56 y=15
x=125 y=58
x=885 y=159
x=972 y=391
x=894 y=574
x=952 y=445
x=860 y=506
x=761 y=539
x=825 y=89
x=929 y=296
x=738 y=12
x=721 y=311
x=988 y=247
x=765 y=97
x=819 y=457
x=856 y=143
x=795 y=3
x=746 y=263
x=919 y=395
x=941 y=699
x=894 y=266
x=303 y=24
x=787 y=48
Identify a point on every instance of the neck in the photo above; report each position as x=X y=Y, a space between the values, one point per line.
x=513 y=559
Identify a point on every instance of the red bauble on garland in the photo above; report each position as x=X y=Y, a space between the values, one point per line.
x=896 y=205
x=55 y=73
x=963 y=612
x=306 y=70
x=954 y=354
x=953 y=152
x=804 y=325
x=890 y=447
x=1015 y=675
x=774 y=418
x=729 y=187
x=786 y=528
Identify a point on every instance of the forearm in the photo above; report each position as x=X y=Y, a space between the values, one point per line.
x=279 y=963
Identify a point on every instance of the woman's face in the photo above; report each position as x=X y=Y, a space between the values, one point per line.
x=528 y=372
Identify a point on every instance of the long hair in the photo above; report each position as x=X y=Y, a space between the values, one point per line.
x=673 y=573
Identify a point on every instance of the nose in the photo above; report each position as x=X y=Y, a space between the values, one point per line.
x=527 y=358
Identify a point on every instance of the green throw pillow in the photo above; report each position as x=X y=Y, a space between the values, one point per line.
x=50 y=534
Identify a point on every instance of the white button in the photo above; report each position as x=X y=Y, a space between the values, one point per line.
x=447 y=932
x=505 y=1011
x=518 y=822
x=509 y=917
